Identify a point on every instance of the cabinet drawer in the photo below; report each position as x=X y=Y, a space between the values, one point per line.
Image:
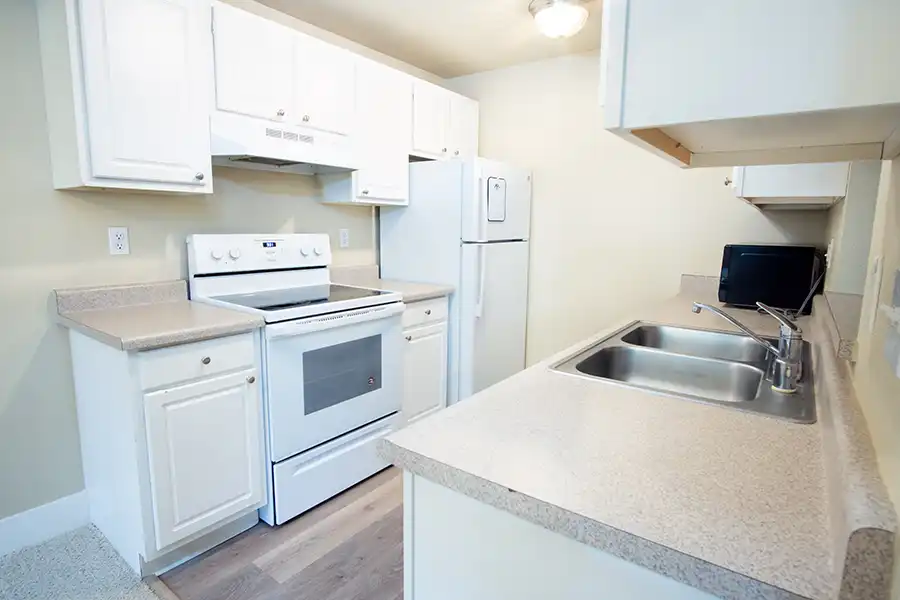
x=192 y=361
x=426 y=311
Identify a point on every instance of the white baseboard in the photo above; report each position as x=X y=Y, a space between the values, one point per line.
x=41 y=523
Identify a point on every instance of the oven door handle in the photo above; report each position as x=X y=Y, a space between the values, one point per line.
x=342 y=319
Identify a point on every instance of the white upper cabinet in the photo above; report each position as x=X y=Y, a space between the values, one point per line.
x=745 y=83
x=815 y=185
x=382 y=134
x=324 y=86
x=445 y=124
x=126 y=87
x=462 y=127
x=431 y=116
x=254 y=60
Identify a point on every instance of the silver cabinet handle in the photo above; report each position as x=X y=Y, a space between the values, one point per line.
x=251 y=379
x=456 y=153
x=199 y=176
x=409 y=338
x=428 y=312
x=365 y=192
x=444 y=150
x=280 y=112
x=206 y=360
x=306 y=118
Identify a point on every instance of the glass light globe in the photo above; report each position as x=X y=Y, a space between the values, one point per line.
x=559 y=18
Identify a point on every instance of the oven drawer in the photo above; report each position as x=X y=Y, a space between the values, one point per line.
x=426 y=311
x=167 y=366
x=309 y=479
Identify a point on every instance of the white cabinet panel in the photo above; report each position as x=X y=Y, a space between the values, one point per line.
x=463 y=127
x=324 y=84
x=425 y=370
x=814 y=185
x=126 y=93
x=747 y=83
x=384 y=102
x=205 y=453
x=253 y=64
x=431 y=115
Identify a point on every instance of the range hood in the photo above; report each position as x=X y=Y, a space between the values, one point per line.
x=244 y=142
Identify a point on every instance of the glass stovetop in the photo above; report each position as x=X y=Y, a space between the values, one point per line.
x=302 y=296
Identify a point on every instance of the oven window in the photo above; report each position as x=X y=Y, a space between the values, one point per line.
x=335 y=374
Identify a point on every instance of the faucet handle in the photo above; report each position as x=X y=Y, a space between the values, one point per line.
x=780 y=317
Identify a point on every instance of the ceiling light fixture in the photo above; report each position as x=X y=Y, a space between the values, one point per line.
x=559 y=18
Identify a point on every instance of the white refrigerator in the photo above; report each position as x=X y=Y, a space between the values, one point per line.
x=467 y=225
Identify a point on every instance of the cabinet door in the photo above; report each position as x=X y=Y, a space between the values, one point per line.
x=145 y=65
x=384 y=107
x=204 y=444
x=253 y=64
x=425 y=370
x=463 y=127
x=431 y=108
x=814 y=180
x=324 y=86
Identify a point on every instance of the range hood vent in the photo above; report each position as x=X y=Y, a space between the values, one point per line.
x=245 y=142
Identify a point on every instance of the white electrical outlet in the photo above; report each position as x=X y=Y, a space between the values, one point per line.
x=345 y=238
x=118 y=241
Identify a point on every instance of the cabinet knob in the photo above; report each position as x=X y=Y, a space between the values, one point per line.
x=251 y=379
x=444 y=150
x=306 y=118
x=456 y=153
x=728 y=181
x=428 y=312
x=280 y=112
x=199 y=176
x=206 y=360
x=365 y=192
x=409 y=338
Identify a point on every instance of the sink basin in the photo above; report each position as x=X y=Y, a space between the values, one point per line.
x=699 y=342
x=676 y=374
x=712 y=367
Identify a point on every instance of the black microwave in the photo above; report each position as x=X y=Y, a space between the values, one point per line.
x=780 y=276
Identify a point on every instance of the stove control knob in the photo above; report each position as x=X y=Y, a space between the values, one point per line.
x=318 y=251
x=304 y=251
x=217 y=254
x=235 y=253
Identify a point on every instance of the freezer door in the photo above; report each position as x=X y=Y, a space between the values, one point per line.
x=497 y=205
x=494 y=299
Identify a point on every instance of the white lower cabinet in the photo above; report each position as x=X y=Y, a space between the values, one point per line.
x=203 y=444
x=425 y=361
x=172 y=444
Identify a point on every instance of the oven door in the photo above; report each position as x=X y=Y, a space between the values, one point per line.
x=328 y=375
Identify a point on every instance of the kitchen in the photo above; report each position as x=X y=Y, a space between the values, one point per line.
x=691 y=216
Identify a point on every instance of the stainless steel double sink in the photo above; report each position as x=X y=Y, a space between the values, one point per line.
x=713 y=367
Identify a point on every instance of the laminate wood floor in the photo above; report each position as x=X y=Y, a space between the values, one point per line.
x=349 y=548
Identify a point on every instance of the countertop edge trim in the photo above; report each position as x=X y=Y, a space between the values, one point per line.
x=684 y=568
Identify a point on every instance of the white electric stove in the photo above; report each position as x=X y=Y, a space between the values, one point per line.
x=331 y=360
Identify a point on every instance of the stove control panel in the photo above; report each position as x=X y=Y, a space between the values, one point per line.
x=210 y=254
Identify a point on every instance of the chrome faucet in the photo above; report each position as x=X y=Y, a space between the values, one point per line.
x=786 y=368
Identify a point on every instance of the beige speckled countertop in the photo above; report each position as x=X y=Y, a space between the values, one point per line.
x=732 y=503
x=367 y=276
x=147 y=316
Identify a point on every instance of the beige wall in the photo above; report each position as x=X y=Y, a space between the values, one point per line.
x=877 y=387
x=612 y=226
x=55 y=239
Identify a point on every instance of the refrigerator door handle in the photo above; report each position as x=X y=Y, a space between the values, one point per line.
x=482 y=270
x=482 y=209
